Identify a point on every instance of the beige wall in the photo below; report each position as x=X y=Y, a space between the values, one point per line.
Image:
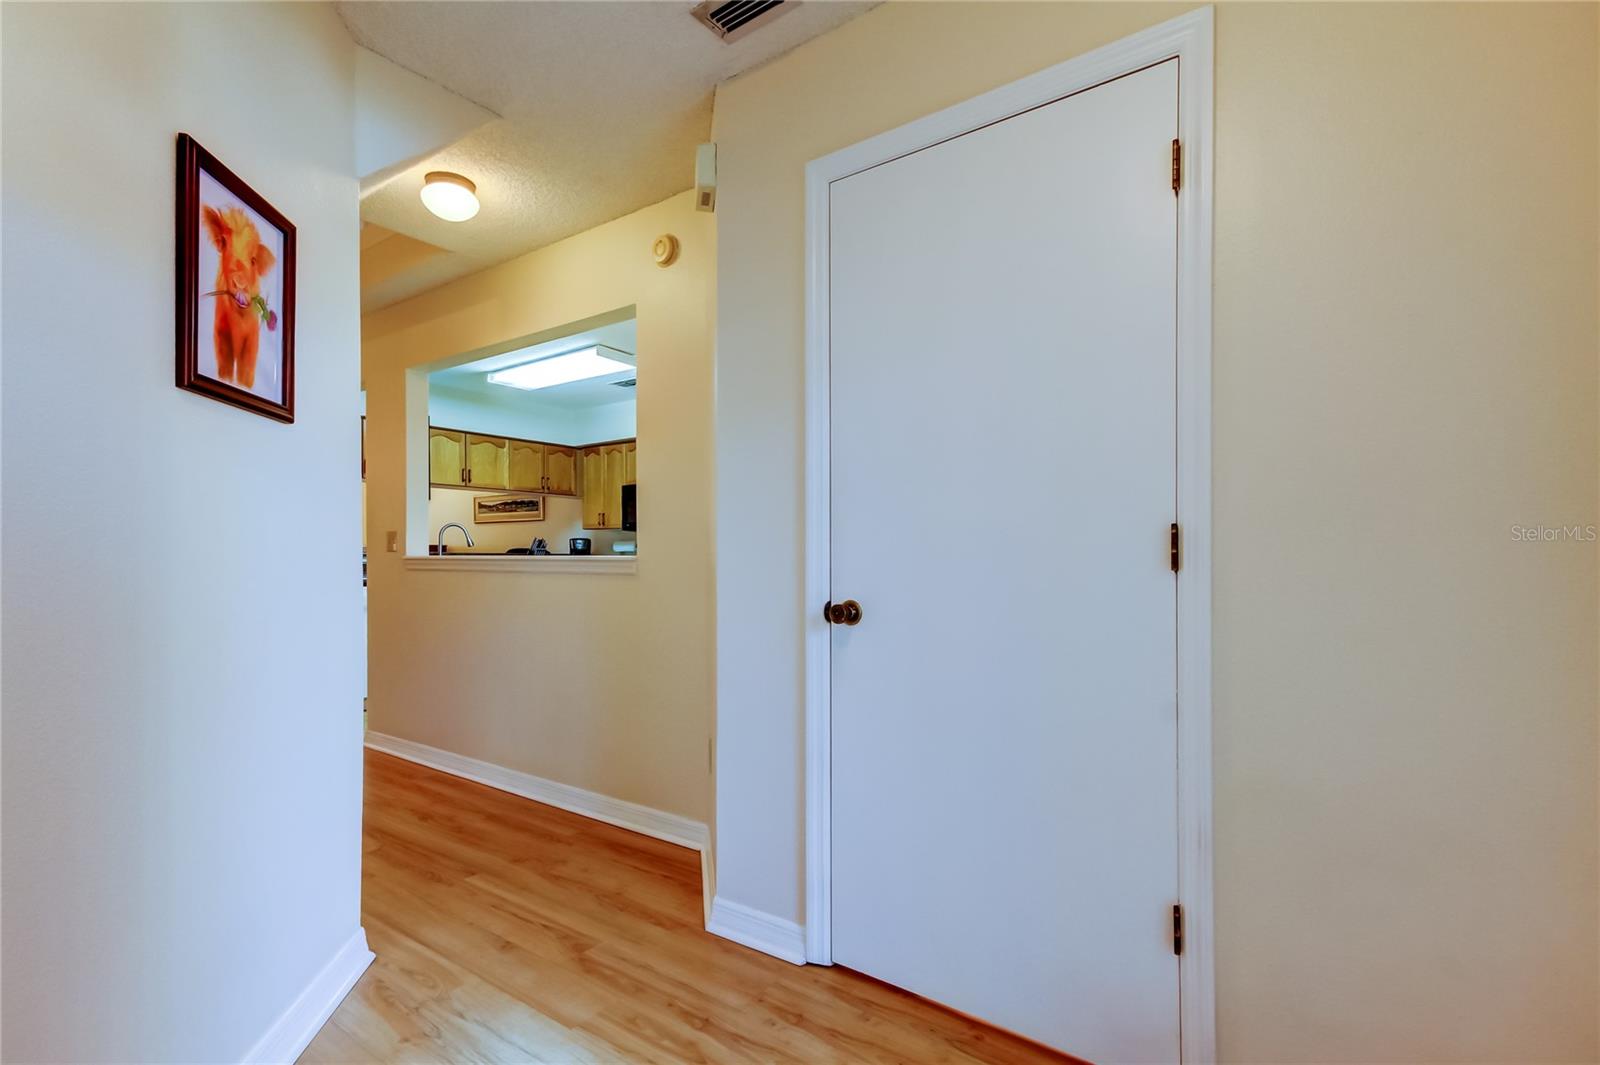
x=182 y=728
x=602 y=681
x=1405 y=367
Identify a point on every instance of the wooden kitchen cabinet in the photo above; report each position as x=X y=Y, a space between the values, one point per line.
x=447 y=457
x=630 y=469
x=486 y=461
x=560 y=470
x=606 y=468
x=594 y=488
x=459 y=459
x=525 y=466
x=616 y=468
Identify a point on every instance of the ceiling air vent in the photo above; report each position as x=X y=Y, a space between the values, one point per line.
x=733 y=19
x=632 y=382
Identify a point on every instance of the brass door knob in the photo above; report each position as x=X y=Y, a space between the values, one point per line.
x=845 y=613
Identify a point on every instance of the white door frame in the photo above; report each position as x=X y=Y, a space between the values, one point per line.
x=1189 y=39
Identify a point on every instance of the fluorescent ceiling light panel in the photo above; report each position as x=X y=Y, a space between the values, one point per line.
x=563 y=369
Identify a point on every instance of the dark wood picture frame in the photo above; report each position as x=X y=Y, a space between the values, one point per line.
x=192 y=160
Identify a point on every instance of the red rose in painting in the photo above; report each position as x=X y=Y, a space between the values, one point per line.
x=243 y=261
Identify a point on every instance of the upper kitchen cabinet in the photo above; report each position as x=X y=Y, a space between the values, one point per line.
x=606 y=468
x=616 y=470
x=630 y=467
x=486 y=461
x=525 y=466
x=536 y=467
x=447 y=457
x=560 y=470
x=458 y=459
x=594 y=488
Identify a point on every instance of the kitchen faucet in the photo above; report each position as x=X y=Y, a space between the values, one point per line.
x=453 y=525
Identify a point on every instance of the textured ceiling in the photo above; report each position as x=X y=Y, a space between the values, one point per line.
x=601 y=107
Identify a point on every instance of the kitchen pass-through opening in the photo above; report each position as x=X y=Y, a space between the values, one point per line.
x=533 y=446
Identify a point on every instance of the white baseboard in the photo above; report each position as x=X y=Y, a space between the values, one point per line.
x=292 y=1032
x=757 y=930
x=630 y=815
x=708 y=883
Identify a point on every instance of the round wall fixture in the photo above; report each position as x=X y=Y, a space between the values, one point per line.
x=450 y=196
x=665 y=249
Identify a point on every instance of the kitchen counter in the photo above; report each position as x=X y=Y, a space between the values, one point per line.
x=499 y=561
x=433 y=552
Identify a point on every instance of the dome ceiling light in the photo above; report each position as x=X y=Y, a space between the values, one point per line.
x=450 y=196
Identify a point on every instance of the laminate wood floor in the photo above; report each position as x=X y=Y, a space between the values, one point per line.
x=510 y=931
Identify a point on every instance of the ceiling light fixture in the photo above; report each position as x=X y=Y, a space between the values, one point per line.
x=450 y=196
x=563 y=369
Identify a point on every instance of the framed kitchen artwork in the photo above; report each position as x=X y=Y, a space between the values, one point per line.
x=507 y=508
x=235 y=298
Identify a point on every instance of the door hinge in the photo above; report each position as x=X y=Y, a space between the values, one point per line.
x=1177 y=929
x=1176 y=547
x=1177 y=165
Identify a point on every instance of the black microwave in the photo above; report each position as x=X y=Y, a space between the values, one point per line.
x=630 y=508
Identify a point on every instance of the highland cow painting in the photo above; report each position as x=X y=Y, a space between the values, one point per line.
x=235 y=302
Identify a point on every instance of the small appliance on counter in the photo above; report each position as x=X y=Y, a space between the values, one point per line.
x=579 y=545
x=625 y=547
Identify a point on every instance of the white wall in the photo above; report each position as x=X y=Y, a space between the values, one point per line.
x=612 y=421
x=182 y=759
x=402 y=116
x=531 y=420
x=1405 y=367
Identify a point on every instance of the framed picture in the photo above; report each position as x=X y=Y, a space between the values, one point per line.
x=507 y=508
x=235 y=298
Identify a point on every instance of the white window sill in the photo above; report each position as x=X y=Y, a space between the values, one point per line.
x=525 y=563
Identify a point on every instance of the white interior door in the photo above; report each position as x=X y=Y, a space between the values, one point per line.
x=1004 y=736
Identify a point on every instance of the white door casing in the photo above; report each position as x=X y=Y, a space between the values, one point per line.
x=1188 y=41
